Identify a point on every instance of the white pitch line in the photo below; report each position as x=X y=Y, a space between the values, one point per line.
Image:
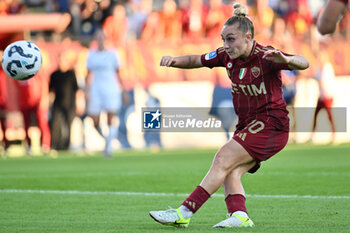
x=76 y=192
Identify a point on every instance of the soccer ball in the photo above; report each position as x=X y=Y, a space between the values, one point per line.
x=21 y=60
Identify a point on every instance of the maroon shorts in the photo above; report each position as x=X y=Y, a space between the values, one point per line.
x=325 y=102
x=261 y=140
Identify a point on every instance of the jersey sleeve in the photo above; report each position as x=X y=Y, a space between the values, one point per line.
x=213 y=59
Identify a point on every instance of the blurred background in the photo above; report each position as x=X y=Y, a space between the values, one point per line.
x=140 y=32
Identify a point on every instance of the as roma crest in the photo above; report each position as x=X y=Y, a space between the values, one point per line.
x=255 y=71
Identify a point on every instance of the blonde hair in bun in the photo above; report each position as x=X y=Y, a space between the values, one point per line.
x=240 y=10
x=241 y=18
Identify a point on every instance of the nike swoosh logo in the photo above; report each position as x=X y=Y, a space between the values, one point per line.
x=179 y=223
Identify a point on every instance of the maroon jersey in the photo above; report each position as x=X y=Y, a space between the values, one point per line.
x=256 y=86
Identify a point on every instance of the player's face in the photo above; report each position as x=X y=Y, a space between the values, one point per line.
x=235 y=42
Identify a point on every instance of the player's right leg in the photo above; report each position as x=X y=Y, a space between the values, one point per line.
x=171 y=217
x=230 y=157
x=95 y=109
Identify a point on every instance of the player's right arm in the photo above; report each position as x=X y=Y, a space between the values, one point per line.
x=184 y=62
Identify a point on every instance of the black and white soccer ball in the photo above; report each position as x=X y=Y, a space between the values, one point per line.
x=21 y=60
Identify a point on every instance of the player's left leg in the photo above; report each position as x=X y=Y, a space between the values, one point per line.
x=235 y=199
x=319 y=106
x=111 y=134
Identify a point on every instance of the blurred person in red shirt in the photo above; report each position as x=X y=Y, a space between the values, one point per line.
x=325 y=79
x=281 y=37
x=14 y=7
x=33 y=102
x=170 y=19
x=150 y=31
x=217 y=15
x=164 y=24
x=116 y=27
x=3 y=101
x=329 y=17
x=301 y=19
x=193 y=13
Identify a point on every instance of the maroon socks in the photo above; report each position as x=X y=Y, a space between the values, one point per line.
x=196 y=199
x=235 y=202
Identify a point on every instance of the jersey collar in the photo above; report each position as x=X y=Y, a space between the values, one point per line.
x=253 y=48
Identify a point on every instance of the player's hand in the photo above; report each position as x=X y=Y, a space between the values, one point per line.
x=276 y=56
x=167 y=61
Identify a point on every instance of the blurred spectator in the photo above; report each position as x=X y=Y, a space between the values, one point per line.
x=152 y=138
x=150 y=32
x=62 y=6
x=265 y=16
x=280 y=7
x=116 y=26
x=193 y=18
x=163 y=25
x=63 y=85
x=170 y=21
x=281 y=37
x=137 y=18
x=325 y=78
x=127 y=108
x=217 y=16
x=301 y=20
x=76 y=15
x=289 y=88
x=14 y=7
x=329 y=17
x=3 y=101
x=91 y=16
x=33 y=102
x=103 y=88
x=222 y=108
x=344 y=25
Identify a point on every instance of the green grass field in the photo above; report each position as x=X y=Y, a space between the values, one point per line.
x=302 y=189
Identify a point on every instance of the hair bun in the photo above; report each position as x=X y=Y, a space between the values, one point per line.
x=240 y=10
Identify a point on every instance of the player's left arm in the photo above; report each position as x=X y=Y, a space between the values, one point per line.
x=294 y=62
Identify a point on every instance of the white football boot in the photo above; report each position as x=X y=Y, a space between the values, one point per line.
x=237 y=219
x=170 y=217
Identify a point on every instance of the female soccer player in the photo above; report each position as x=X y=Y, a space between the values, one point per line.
x=103 y=88
x=263 y=127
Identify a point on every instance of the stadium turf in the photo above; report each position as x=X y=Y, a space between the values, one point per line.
x=302 y=189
